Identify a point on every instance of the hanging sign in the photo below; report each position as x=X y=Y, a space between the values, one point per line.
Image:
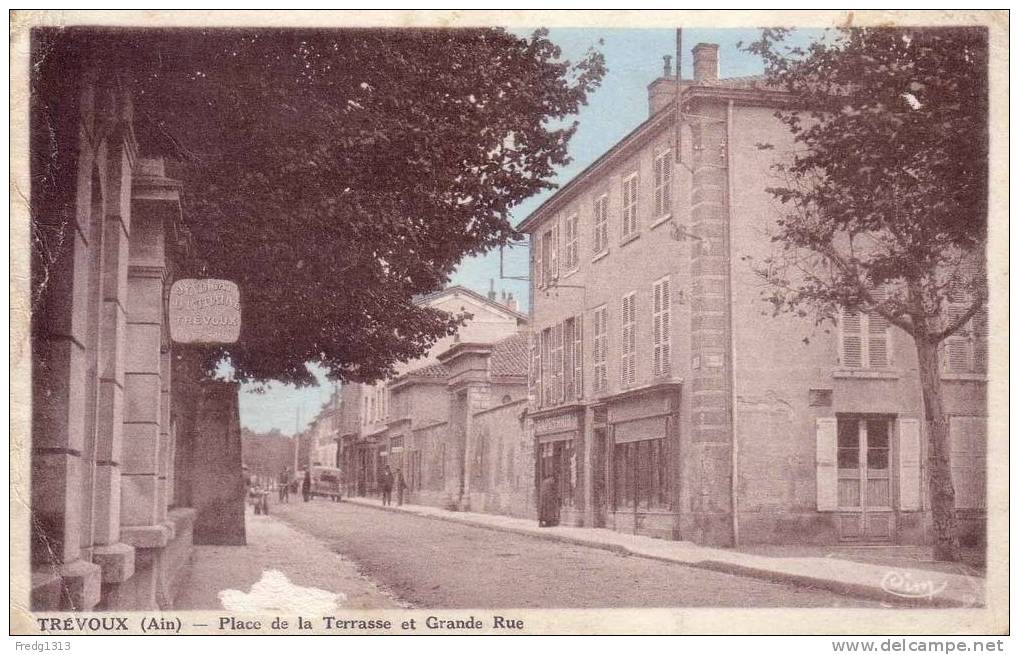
x=205 y=311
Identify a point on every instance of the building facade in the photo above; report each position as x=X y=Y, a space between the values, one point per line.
x=135 y=455
x=664 y=397
x=418 y=422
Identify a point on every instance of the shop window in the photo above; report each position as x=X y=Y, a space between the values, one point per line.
x=641 y=475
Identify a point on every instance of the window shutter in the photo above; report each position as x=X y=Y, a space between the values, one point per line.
x=656 y=329
x=666 y=183
x=827 y=471
x=555 y=251
x=877 y=340
x=538 y=281
x=535 y=369
x=957 y=347
x=658 y=175
x=909 y=464
x=852 y=339
x=666 y=324
x=578 y=355
x=968 y=438
x=980 y=335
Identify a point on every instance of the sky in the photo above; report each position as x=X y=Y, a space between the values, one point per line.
x=633 y=58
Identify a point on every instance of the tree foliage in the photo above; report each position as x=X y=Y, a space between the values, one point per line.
x=888 y=184
x=335 y=175
x=885 y=200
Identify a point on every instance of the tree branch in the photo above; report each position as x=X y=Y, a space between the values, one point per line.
x=955 y=325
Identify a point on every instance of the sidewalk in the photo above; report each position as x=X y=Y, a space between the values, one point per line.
x=280 y=569
x=895 y=585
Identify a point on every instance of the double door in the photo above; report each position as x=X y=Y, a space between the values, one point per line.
x=865 y=478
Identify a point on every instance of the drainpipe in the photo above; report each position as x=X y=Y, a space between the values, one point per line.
x=733 y=404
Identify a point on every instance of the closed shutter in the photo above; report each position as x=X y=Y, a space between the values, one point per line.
x=661 y=324
x=666 y=183
x=980 y=336
x=656 y=327
x=877 y=335
x=600 y=348
x=957 y=346
x=535 y=390
x=852 y=339
x=629 y=340
x=536 y=248
x=968 y=439
x=909 y=464
x=578 y=355
x=827 y=472
x=555 y=251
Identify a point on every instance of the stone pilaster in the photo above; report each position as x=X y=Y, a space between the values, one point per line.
x=708 y=468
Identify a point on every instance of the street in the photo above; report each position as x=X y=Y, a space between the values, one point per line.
x=432 y=563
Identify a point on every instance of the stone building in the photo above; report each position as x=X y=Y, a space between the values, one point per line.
x=403 y=422
x=134 y=455
x=667 y=401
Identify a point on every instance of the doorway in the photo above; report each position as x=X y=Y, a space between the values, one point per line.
x=865 y=478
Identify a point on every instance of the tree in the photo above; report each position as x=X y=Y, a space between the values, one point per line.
x=335 y=175
x=885 y=201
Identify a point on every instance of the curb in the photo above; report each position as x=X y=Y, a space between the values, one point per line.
x=861 y=591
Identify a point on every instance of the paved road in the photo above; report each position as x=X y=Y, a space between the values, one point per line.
x=440 y=564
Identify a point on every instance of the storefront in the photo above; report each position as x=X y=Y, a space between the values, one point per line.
x=559 y=454
x=636 y=460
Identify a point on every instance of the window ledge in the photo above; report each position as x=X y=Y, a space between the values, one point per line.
x=600 y=255
x=570 y=272
x=664 y=219
x=964 y=377
x=866 y=373
x=629 y=239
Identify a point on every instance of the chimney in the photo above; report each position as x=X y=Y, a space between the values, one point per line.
x=662 y=92
x=491 y=289
x=705 y=63
x=511 y=302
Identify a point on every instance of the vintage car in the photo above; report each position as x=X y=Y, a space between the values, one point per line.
x=326 y=482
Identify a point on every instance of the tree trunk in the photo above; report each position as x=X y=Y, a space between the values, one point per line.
x=939 y=463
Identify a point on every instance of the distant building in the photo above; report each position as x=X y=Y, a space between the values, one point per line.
x=267 y=455
x=378 y=421
x=665 y=398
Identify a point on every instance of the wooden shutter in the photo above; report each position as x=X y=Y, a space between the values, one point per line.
x=658 y=176
x=666 y=183
x=957 y=346
x=656 y=329
x=980 y=336
x=569 y=359
x=852 y=339
x=555 y=250
x=877 y=340
x=536 y=247
x=968 y=439
x=666 y=322
x=578 y=355
x=827 y=469
x=535 y=391
x=909 y=464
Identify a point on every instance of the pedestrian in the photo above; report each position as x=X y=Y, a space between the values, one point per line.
x=306 y=486
x=284 y=483
x=386 y=485
x=401 y=484
x=548 y=503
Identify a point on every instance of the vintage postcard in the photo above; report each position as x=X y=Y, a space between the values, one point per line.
x=522 y=322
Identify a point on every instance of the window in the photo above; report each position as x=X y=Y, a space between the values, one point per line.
x=578 y=356
x=663 y=184
x=661 y=328
x=863 y=455
x=641 y=475
x=865 y=340
x=968 y=447
x=629 y=215
x=600 y=347
x=557 y=363
x=601 y=224
x=550 y=255
x=569 y=377
x=571 y=254
x=629 y=340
